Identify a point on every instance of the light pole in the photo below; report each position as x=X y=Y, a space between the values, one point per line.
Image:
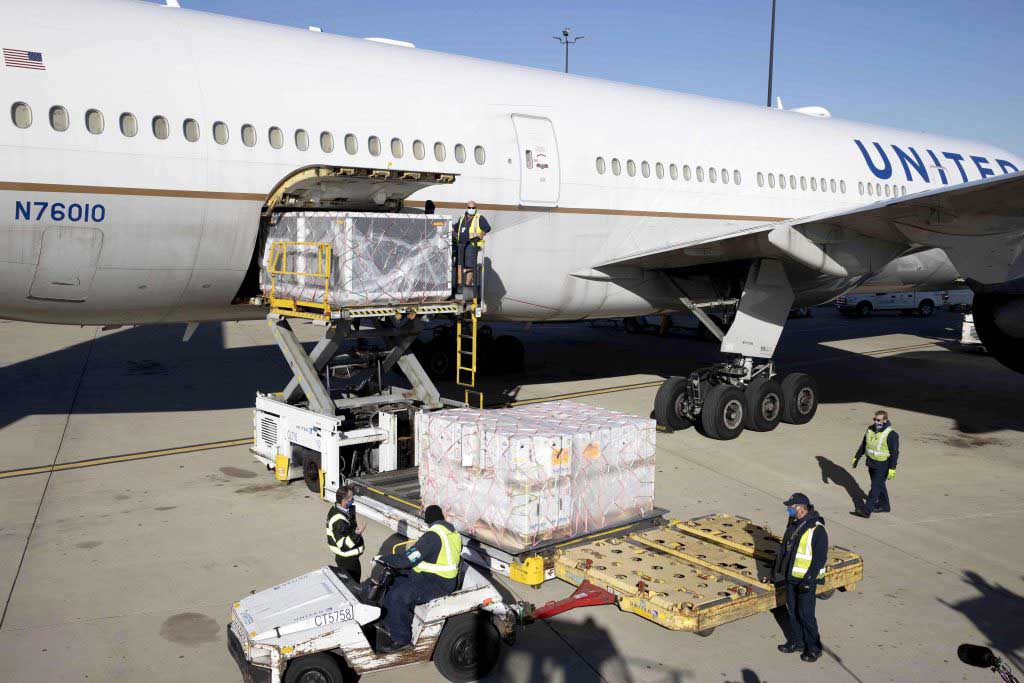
x=564 y=40
x=771 y=57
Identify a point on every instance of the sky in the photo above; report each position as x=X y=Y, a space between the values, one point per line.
x=942 y=66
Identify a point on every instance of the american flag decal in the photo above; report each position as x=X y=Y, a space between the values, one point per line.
x=24 y=59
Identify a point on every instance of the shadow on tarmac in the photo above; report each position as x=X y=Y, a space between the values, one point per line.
x=838 y=475
x=998 y=613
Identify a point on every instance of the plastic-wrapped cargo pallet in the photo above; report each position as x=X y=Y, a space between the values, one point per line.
x=521 y=477
x=376 y=258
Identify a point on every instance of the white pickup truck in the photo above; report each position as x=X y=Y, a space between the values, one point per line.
x=863 y=305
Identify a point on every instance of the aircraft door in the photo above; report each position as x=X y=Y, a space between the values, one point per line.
x=539 y=173
x=67 y=263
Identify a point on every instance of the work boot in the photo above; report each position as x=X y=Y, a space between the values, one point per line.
x=789 y=648
x=391 y=647
x=860 y=513
x=810 y=657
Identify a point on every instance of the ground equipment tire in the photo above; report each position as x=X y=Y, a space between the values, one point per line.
x=721 y=415
x=864 y=309
x=510 y=352
x=468 y=647
x=764 y=404
x=926 y=308
x=825 y=595
x=800 y=398
x=440 y=355
x=668 y=404
x=704 y=633
x=316 y=668
x=311 y=473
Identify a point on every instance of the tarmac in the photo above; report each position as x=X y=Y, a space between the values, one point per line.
x=123 y=568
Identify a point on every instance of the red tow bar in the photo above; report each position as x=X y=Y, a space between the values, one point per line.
x=586 y=595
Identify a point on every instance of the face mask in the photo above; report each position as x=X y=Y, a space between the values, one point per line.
x=791 y=511
x=470 y=212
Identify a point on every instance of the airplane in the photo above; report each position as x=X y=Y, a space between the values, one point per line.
x=146 y=145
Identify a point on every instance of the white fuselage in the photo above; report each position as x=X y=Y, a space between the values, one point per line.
x=179 y=219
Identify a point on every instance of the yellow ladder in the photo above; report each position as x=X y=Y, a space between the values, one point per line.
x=465 y=347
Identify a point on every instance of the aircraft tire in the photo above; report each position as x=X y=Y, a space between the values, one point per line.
x=763 y=405
x=722 y=413
x=800 y=398
x=668 y=404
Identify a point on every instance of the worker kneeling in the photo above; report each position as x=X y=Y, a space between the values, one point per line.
x=435 y=562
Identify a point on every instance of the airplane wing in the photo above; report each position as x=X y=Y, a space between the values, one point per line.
x=979 y=224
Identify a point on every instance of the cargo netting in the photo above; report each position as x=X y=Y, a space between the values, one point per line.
x=519 y=478
x=374 y=259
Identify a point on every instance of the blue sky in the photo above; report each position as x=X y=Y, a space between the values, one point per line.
x=944 y=66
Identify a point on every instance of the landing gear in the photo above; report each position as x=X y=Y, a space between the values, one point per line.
x=800 y=398
x=764 y=405
x=722 y=414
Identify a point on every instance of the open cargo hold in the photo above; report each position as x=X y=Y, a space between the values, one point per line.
x=330 y=260
x=520 y=478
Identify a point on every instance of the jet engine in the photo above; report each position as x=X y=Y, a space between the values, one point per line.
x=999 y=321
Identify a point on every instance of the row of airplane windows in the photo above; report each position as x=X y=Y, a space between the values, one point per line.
x=673 y=171
x=60 y=121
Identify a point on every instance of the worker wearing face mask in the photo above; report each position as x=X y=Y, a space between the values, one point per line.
x=881 y=445
x=800 y=564
x=344 y=538
x=470 y=231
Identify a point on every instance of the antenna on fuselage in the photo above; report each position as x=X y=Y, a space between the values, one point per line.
x=172 y=3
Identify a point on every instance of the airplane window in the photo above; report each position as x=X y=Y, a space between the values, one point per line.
x=21 y=115
x=736 y=177
x=903 y=190
x=771 y=180
x=460 y=153
x=373 y=144
x=276 y=137
x=479 y=155
x=659 y=170
x=803 y=182
x=161 y=129
x=616 y=166
x=673 y=172
x=814 y=184
x=878 y=189
x=832 y=185
x=860 y=188
x=439 y=152
x=792 y=182
x=700 y=174
x=712 y=175
x=686 y=172
x=94 y=121
x=725 y=176
x=631 y=167
x=418 y=150
x=529 y=158
x=397 y=148
x=59 y=120
x=782 y=181
x=887 y=190
x=326 y=142
x=871 y=190
x=645 y=168
x=842 y=186
x=760 y=179
x=351 y=143
x=248 y=135
x=220 y=132
x=301 y=140
x=600 y=165
x=824 y=185
x=129 y=125
x=190 y=128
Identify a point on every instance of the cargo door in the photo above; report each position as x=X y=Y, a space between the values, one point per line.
x=67 y=264
x=539 y=169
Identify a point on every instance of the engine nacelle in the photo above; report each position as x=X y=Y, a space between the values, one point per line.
x=999 y=321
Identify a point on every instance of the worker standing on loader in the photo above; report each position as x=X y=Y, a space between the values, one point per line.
x=435 y=560
x=801 y=565
x=881 y=444
x=470 y=231
x=344 y=538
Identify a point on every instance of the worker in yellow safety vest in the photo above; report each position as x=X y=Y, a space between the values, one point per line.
x=469 y=235
x=800 y=565
x=435 y=560
x=344 y=538
x=881 y=445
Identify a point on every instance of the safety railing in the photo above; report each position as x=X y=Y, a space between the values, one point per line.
x=278 y=267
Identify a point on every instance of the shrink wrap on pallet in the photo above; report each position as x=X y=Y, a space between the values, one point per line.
x=520 y=478
x=377 y=259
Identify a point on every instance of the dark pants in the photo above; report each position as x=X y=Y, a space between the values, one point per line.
x=878 y=496
x=802 y=622
x=402 y=597
x=351 y=566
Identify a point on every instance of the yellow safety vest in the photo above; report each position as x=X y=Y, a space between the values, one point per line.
x=876 y=444
x=475 y=233
x=802 y=561
x=447 y=563
x=344 y=546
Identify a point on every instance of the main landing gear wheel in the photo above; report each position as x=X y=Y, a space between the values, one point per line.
x=317 y=668
x=670 y=404
x=799 y=398
x=467 y=648
x=721 y=415
x=763 y=405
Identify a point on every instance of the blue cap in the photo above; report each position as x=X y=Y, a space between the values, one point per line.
x=798 y=499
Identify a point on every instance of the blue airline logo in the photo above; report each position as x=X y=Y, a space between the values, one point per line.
x=914 y=163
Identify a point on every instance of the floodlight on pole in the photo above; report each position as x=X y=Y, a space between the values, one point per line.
x=564 y=40
x=771 y=57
